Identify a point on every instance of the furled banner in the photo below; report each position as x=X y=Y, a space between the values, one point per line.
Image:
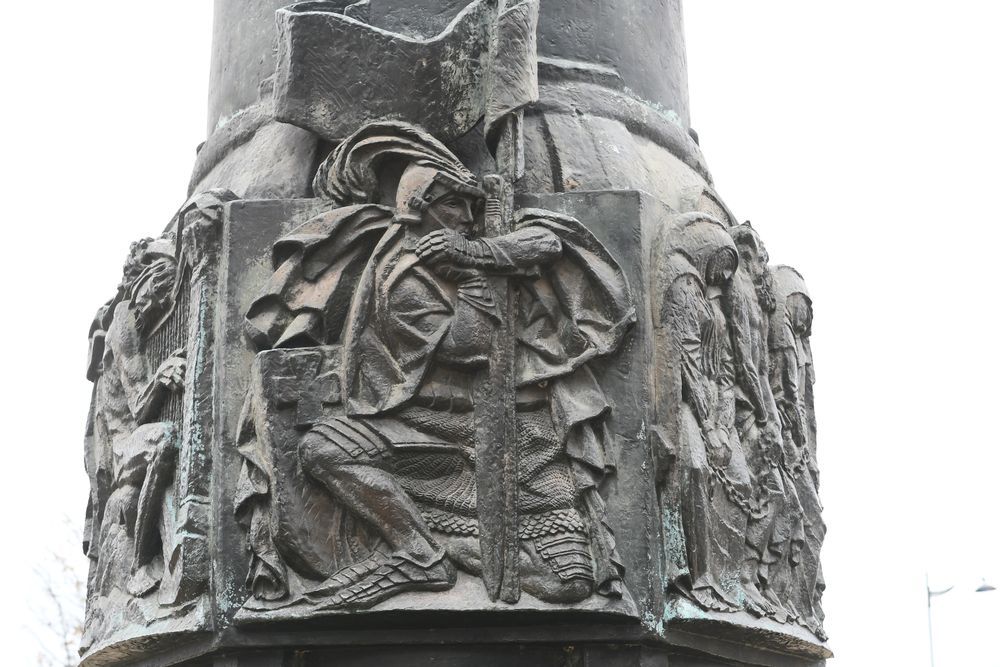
x=336 y=72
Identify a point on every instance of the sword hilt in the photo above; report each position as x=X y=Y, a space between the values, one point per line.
x=495 y=221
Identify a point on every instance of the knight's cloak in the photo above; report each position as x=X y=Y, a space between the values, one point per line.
x=333 y=274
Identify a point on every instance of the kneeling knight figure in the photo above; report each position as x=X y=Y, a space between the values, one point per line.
x=407 y=299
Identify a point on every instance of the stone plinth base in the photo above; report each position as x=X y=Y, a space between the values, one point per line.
x=488 y=646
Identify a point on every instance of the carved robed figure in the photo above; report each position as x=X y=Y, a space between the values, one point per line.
x=792 y=378
x=735 y=441
x=705 y=485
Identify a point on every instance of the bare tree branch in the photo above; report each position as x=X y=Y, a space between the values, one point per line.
x=59 y=607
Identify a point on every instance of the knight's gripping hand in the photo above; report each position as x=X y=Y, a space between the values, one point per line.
x=448 y=246
x=518 y=251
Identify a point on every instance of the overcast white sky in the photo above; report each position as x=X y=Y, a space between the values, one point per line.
x=861 y=137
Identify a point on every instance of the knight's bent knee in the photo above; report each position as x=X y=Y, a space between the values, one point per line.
x=339 y=442
x=314 y=451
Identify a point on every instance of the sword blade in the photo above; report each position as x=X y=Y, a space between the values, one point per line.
x=496 y=430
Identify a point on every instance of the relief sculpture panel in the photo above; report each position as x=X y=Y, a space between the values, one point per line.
x=423 y=403
x=735 y=440
x=478 y=345
x=146 y=519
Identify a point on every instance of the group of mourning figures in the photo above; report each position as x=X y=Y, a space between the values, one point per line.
x=738 y=477
x=394 y=288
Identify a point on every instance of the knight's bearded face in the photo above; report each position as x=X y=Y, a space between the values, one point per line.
x=453 y=211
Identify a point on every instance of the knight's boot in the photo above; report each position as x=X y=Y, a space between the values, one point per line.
x=380 y=577
x=348 y=575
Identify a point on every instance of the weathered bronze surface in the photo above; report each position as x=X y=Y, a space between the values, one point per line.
x=453 y=356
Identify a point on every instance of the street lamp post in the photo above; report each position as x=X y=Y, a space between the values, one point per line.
x=983 y=588
x=930 y=627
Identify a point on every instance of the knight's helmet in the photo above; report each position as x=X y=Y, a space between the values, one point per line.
x=359 y=170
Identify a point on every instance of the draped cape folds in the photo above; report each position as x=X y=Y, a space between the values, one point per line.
x=316 y=267
x=581 y=305
x=333 y=276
